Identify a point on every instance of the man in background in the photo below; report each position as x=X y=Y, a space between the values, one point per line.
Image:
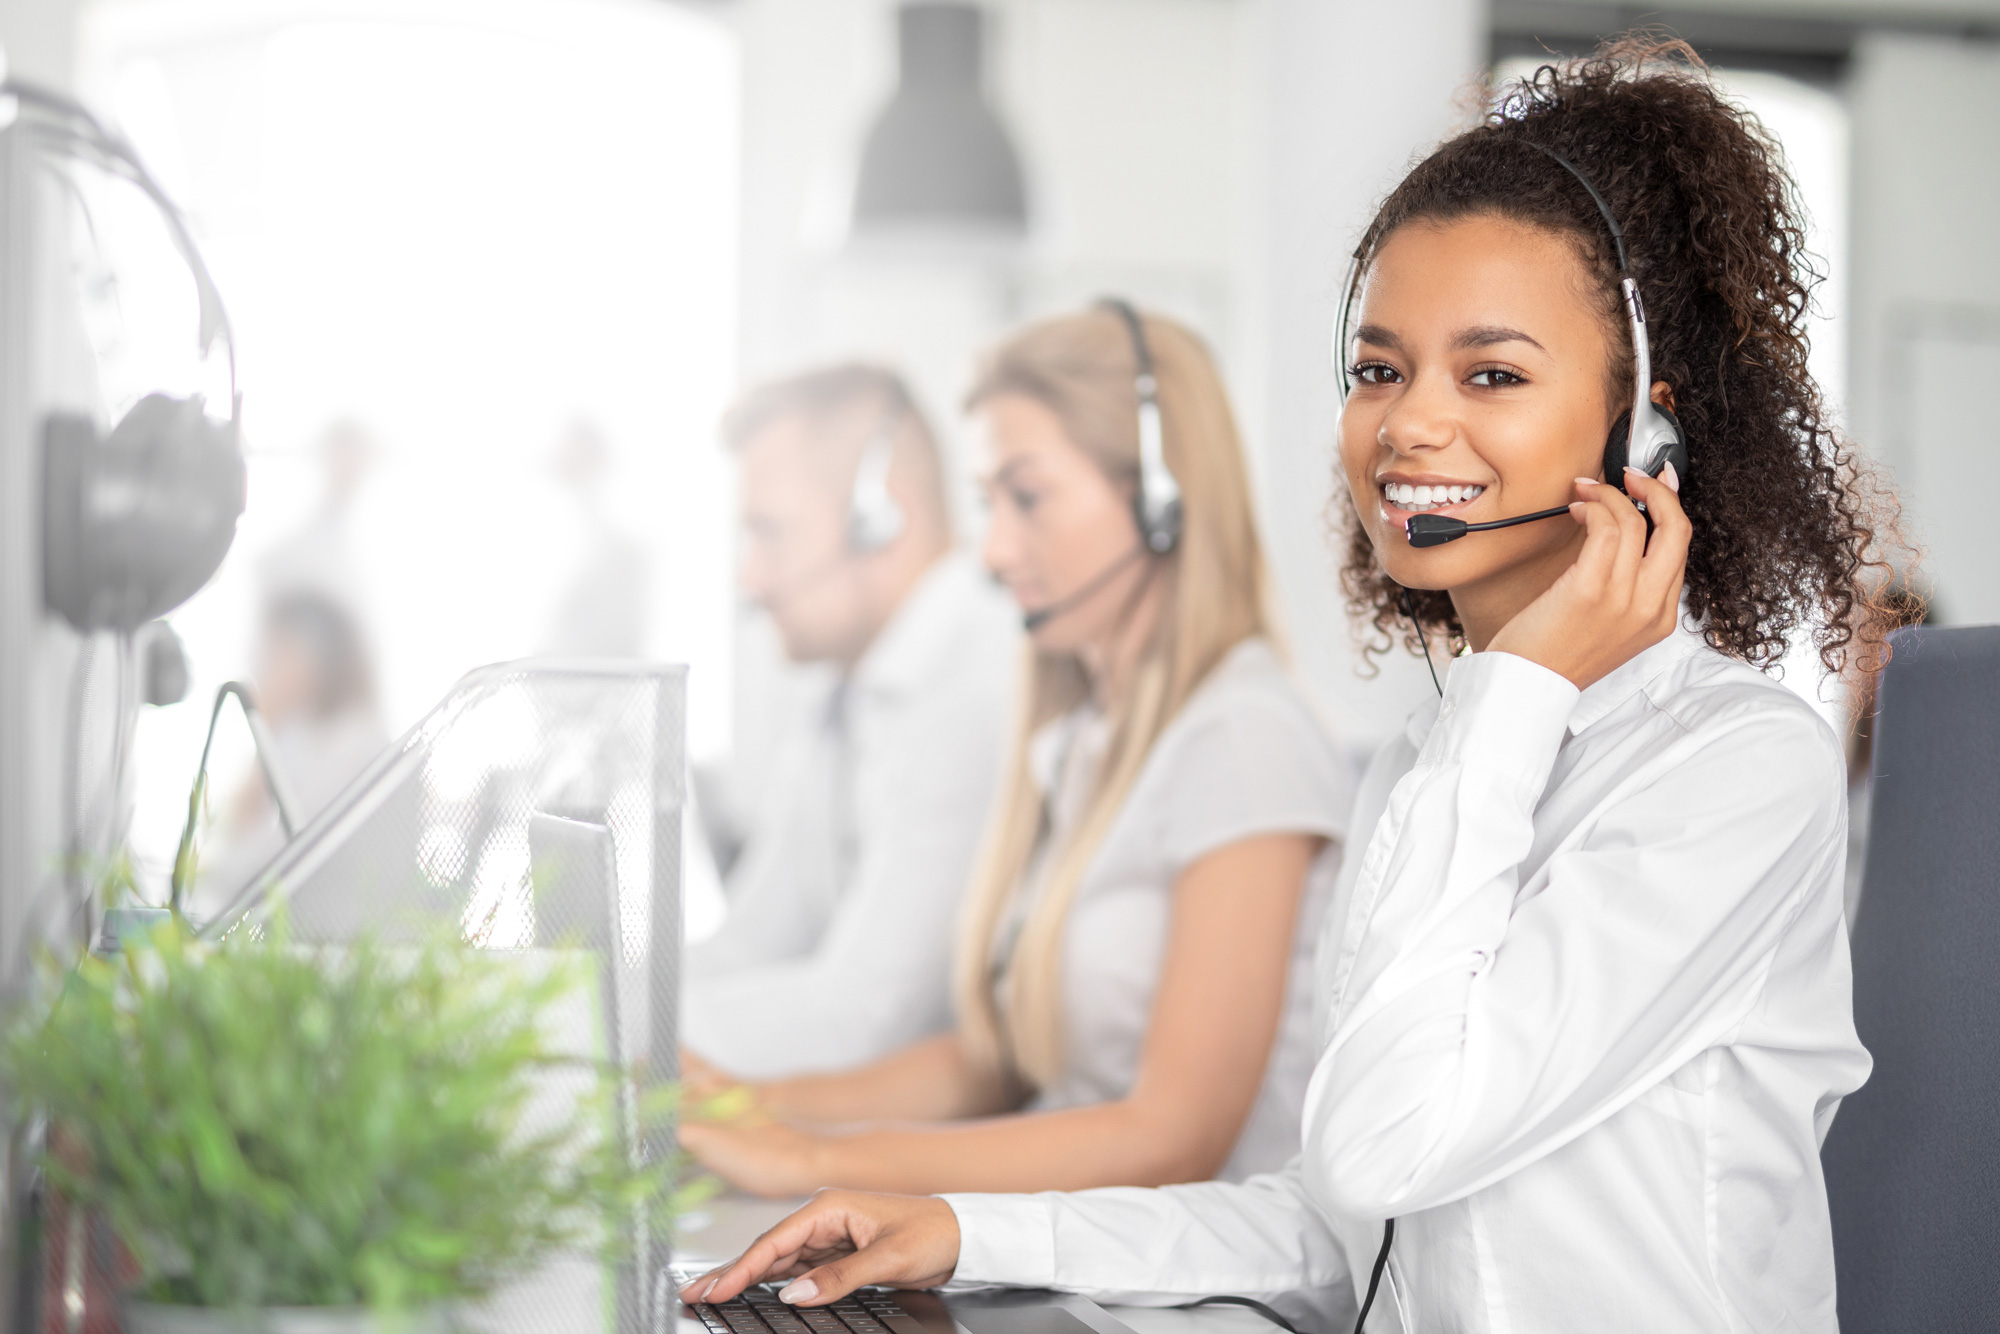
x=843 y=900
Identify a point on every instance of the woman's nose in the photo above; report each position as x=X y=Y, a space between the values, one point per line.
x=1420 y=419
x=1002 y=549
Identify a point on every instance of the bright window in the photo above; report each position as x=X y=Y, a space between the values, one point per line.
x=474 y=228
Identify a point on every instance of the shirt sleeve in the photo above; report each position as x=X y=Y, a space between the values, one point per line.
x=879 y=975
x=1472 y=1033
x=1251 y=761
x=1156 y=1247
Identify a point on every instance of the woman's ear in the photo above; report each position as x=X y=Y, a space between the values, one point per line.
x=1663 y=394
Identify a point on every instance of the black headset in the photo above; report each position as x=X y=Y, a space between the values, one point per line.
x=1156 y=506
x=137 y=519
x=1156 y=503
x=1646 y=436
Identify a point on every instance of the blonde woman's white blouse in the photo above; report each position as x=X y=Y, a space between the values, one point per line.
x=1587 y=1016
x=1245 y=756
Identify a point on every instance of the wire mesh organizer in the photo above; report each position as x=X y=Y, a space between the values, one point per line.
x=537 y=808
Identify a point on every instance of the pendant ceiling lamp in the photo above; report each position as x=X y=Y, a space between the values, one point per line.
x=937 y=162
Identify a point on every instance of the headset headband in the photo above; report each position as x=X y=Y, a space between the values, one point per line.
x=84 y=133
x=1649 y=427
x=1158 y=505
x=1604 y=209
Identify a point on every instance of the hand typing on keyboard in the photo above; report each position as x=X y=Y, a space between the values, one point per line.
x=842 y=1241
x=757 y=1311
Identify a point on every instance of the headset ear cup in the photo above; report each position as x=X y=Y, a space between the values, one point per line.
x=873 y=523
x=135 y=523
x=1161 y=535
x=1677 y=452
x=1617 y=449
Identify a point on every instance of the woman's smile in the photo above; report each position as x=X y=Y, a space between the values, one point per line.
x=1406 y=493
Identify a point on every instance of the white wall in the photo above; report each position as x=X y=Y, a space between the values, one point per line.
x=1926 y=298
x=39 y=39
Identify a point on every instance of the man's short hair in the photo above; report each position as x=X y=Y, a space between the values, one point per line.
x=820 y=395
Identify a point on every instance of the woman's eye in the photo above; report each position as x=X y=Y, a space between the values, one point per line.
x=1496 y=377
x=1374 y=372
x=1024 y=501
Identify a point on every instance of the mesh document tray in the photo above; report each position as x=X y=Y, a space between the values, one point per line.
x=538 y=807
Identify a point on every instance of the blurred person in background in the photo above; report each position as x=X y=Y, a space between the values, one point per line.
x=320 y=553
x=1132 y=989
x=842 y=899
x=315 y=687
x=601 y=612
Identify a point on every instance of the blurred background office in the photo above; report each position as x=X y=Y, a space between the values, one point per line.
x=496 y=266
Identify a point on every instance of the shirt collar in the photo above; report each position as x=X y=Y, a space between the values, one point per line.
x=1604 y=695
x=909 y=653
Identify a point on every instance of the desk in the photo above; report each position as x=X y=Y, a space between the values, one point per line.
x=720 y=1229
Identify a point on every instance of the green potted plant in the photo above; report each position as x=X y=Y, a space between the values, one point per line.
x=288 y=1139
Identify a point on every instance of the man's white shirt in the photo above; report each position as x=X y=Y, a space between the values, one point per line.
x=838 y=943
x=1585 y=1015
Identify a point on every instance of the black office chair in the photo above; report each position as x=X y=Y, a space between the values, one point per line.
x=1913 y=1159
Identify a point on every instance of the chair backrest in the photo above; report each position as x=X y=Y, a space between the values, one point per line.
x=1913 y=1159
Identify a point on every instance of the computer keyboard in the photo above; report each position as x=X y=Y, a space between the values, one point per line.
x=758 y=1311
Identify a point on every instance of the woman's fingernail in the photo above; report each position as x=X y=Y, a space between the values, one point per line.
x=1671 y=478
x=1586 y=481
x=798 y=1290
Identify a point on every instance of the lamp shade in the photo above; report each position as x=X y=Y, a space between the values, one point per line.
x=937 y=159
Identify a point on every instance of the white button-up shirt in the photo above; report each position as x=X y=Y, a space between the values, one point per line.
x=838 y=944
x=1586 y=1018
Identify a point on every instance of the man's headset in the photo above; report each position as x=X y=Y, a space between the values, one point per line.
x=1156 y=503
x=874 y=516
x=136 y=520
x=1646 y=436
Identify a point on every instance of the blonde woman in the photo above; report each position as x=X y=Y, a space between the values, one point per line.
x=1132 y=972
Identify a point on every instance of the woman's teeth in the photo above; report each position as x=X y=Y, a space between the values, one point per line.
x=1428 y=497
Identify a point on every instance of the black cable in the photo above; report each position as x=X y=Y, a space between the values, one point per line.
x=1375 y=1279
x=1251 y=1302
x=1403 y=600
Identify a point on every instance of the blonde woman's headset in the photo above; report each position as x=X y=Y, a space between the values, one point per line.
x=1156 y=504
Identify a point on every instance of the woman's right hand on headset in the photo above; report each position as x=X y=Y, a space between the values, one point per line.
x=1622 y=595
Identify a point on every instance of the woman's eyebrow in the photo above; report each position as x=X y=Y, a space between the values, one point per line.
x=1379 y=336
x=1486 y=335
x=1004 y=474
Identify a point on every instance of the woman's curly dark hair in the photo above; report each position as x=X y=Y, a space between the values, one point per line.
x=1786 y=520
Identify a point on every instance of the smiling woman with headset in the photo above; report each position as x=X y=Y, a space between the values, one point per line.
x=1584 y=993
x=1132 y=989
